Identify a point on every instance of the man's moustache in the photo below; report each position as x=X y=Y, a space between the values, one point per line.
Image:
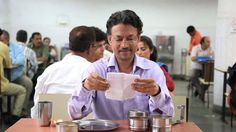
x=124 y=50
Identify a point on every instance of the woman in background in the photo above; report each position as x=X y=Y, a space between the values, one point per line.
x=147 y=50
x=53 y=54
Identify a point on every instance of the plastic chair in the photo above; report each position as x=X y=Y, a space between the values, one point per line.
x=206 y=86
x=59 y=106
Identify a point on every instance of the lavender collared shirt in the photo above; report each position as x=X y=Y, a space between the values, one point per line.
x=84 y=102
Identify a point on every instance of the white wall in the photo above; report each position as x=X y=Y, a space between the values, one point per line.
x=169 y=17
x=225 y=44
x=4 y=12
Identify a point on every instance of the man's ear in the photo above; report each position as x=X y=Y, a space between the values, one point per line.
x=109 y=39
x=139 y=37
x=91 y=49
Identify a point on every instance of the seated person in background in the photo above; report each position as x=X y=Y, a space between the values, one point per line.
x=8 y=88
x=41 y=53
x=232 y=83
x=40 y=49
x=53 y=54
x=100 y=42
x=108 y=51
x=65 y=76
x=123 y=30
x=147 y=50
x=31 y=64
x=17 y=73
x=203 y=49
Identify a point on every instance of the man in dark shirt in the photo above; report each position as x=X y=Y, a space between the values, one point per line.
x=41 y=53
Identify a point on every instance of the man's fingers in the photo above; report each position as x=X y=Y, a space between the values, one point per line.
x=96 y=76
x=144 y=80
x=143 y=85
x=96 y=83
x=103 y=84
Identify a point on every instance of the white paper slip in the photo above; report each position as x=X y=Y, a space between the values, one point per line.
x=120 y=86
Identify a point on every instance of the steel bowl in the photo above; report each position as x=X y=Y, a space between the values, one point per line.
x=138 y=120
x=159 y=121
x=66 y=126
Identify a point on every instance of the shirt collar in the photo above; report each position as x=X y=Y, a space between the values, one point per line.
x=139 y=63
x=21 y=43
x=72 y=56
x=33 y=46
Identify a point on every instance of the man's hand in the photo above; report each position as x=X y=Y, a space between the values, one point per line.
x=95 y=82
x=147 y=86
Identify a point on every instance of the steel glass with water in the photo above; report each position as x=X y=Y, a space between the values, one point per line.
x=44 y=113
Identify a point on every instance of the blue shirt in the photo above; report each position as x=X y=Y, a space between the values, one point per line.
x=17 y=58
x=84 y=101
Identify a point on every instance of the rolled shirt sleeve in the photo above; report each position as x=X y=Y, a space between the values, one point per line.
x=79 y=105
x=161 y=102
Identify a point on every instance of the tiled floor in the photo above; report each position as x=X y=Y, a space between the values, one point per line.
x=207 y=120
x=200 y=114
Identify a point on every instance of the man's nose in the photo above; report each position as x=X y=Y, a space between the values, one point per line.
x=124 y=43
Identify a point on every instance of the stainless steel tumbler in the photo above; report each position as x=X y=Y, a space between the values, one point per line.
x=66 y=126
x=44 y=113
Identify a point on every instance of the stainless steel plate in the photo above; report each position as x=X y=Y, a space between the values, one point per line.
x=96 y=125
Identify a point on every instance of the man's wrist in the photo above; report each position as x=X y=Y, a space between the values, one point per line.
x=83 y=85
x=158 y=92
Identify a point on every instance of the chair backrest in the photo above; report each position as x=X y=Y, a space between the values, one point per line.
x=59 y=105
x=180 y=102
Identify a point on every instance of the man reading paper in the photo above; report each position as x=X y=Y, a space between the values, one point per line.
x=123 y=33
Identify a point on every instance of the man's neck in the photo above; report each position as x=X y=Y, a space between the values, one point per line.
x=35 y=45
x=125 y=66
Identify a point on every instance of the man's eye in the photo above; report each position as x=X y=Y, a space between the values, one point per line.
x=118 y=40
x=143 y=49
x=130 y=39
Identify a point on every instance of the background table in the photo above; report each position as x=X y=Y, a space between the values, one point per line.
x=31 y=125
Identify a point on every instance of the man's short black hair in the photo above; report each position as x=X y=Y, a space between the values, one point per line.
x=124 y=17
x=100 y=35
x=6 y=34
x=21 y=36
x=34 y=34
x=81 y=38
x=190 y=29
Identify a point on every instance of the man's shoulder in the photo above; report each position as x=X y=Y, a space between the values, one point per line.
x=3 y=46
x=101 y=64
x=145 y=63
x=29 y=50
x=42 y=45
x=102 y=61
x=197 y=34
x=16 y=46
x=197 y=47
x=150 y=68
x=30 y=45
x=53 y=67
